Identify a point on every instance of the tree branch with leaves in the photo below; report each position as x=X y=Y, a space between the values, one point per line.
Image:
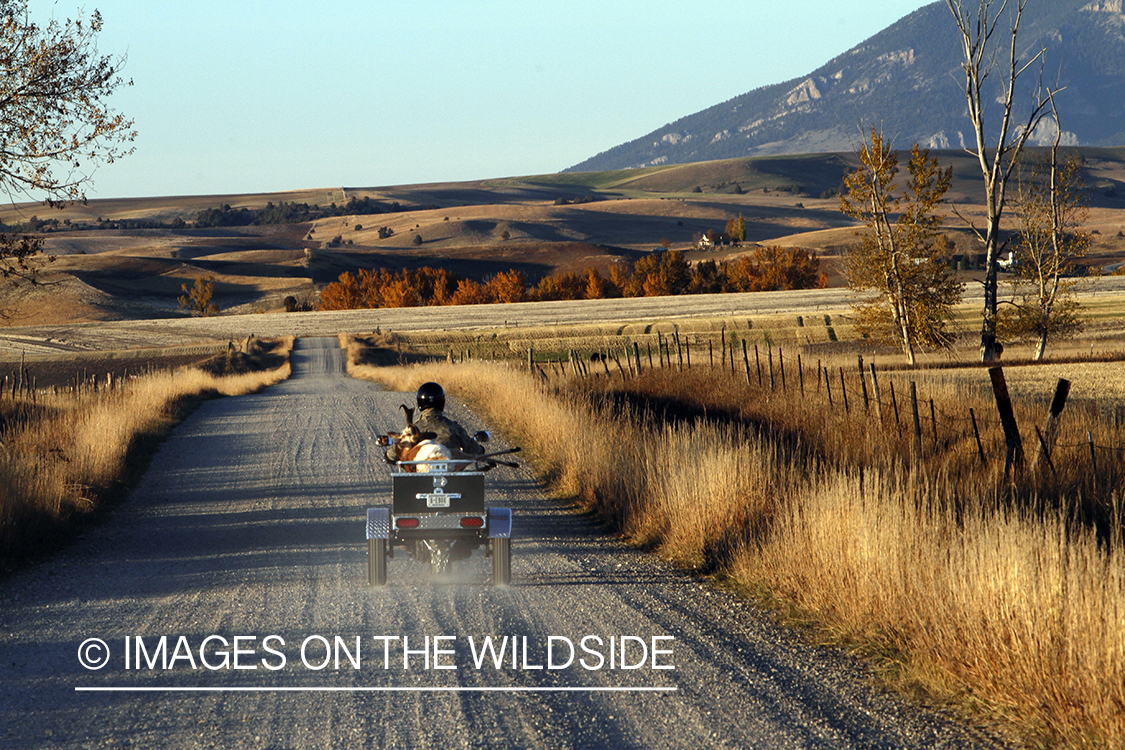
x=55 y=128
x=197 y=298
x=901 y=255
x=1052 y=201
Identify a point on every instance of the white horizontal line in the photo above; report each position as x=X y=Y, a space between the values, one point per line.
x=375 y=689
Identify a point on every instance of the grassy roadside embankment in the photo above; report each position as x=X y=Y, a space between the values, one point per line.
x=1000 y=598
x=64 y=454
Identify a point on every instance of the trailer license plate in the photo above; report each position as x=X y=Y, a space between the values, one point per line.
x=438 y=499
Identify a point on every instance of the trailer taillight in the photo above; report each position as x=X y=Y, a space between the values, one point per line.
x=406 y=523
x=472 y=522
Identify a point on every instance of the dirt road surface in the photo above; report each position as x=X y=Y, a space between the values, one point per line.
x=250 y=524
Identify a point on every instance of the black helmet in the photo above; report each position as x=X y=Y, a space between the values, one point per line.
x=431 y=396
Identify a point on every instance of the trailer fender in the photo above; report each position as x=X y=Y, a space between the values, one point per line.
x=378 y=523
x=499 y=523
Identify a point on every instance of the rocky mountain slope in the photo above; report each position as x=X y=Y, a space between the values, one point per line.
x=907 y=80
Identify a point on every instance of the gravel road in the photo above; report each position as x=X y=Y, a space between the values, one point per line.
x=250 y=524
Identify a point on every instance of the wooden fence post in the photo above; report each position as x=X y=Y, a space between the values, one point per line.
x=1044 y=451
x=875 y=393
x=914 y=409
x=1050 y=431
x=844 y=391
x=620 y=369
x=801 y=374
x=746 y=361
x=758 y=364
x=894 y=405
x=637 y=356
x=769 y=353
x=976 y=434
x=863 y=385
x=933 y=420
x=1093 y=456
x=781 y=362
x=1007 y=416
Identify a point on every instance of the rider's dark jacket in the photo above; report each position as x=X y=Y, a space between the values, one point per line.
x=449 y=433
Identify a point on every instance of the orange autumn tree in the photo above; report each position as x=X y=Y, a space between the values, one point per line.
x=470 y=292
x=788 y=268
x=510 y=286
x=596 y=286
x=655 y=275
x=342 y=294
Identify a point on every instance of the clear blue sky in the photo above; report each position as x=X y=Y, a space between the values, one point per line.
x=236 y=96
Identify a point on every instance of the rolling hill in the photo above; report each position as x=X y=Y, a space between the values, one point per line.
x=109 y=269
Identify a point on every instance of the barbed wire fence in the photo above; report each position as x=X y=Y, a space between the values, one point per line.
x=993 y=434
x=930 y=426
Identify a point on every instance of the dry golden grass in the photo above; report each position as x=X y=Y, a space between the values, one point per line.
x=994 y=597
x=1012 y=614
x=63 y=453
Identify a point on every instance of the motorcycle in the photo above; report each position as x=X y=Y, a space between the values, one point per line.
x=438 y=515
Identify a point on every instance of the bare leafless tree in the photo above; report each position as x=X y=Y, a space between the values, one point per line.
x=1052 y=202
x=982 y=55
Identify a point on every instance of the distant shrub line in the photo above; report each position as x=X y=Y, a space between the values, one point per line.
x=222 y=216
x=289 y=213
x=657 y=275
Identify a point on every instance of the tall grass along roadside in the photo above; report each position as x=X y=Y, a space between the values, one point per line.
x=61 y=454
x=995 y=596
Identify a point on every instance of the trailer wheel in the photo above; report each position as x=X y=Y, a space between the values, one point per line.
x=501 y=561
x=376 y=562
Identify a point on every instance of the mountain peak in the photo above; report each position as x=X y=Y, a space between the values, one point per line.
x=906 y=80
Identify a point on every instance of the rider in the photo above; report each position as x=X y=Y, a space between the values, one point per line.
x=430 y=418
